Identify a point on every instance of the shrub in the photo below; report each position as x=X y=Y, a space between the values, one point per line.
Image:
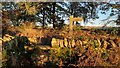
x=17 y=52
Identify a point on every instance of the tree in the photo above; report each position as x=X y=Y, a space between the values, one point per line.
x=86 y=10
x=53 y=12
x=114 y=11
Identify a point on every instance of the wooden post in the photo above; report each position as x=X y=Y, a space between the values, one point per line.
x=72 y=19
x=71 y=23
x=71 y=27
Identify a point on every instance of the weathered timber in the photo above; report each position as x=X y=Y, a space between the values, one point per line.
x=73 y=19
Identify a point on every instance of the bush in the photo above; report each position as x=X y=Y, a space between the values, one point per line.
x=17 y=52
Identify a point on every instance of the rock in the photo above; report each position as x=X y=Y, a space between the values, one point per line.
x=30 y=48
x=65 y=42
x=61 y=43
x=73 y=43
x=7 y=37
x=57 y=42
x=69 y=43
x=78 y=43
x=33 y=39
x=44 y=47
x=53 y=42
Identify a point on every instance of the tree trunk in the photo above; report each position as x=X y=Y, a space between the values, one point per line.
x=54 y=14
x=43 y=19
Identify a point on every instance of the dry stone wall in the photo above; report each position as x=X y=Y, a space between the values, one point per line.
x=62 y=42
x=71 y=42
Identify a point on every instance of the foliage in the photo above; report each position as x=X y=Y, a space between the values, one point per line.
x=62 y=56
x=76 y=28
x=97 y=47
x=7 y=37
x=44 y=12
x=93 y=47
x=17 y=52
x=26 y=27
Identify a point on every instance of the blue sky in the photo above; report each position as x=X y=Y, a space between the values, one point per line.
x=99 y=22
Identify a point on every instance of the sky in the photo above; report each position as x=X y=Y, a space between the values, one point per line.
x=99 y=22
